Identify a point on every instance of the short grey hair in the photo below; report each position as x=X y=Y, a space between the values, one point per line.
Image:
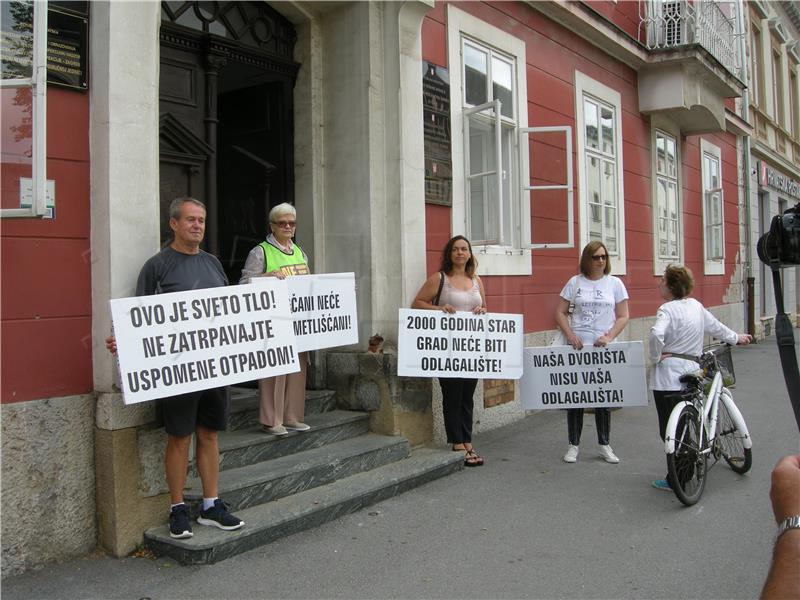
x=280 y=210
x=177 y=203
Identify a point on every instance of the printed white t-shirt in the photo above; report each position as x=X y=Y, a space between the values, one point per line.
x=595 y=304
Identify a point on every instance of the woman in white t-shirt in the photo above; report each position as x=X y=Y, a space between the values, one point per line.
x=681 y=323
x=599 y=313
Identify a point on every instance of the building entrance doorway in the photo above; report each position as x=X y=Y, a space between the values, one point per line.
x=225 y=108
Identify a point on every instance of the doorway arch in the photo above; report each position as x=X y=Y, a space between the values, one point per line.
x=226 y=118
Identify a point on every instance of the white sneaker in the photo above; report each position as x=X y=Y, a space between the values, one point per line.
x=296 y=426
x=277 y=430
x=572 y=454
x=608 y=454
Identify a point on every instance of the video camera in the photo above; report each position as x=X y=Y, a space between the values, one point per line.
x=780 y=246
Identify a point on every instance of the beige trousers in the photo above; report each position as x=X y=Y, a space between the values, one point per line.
x=283 y=398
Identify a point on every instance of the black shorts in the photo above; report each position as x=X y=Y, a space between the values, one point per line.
x=181 y=414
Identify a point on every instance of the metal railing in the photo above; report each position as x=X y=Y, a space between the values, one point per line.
x=676 y=23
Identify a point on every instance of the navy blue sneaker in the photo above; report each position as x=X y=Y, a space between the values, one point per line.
x=218 y=516
x=179 y=526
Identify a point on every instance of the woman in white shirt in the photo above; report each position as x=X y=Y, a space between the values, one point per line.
x=599 y=314
x=456 y=287
x=681 y=323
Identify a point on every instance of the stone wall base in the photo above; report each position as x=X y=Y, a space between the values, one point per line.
x=48 y=481
x=124 y=512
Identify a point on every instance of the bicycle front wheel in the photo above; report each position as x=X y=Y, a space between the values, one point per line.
x=687 y=465
x=730 y=441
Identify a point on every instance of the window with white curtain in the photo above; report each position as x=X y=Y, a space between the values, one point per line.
x=713 y=209
x=667 y=204
x=599 y=118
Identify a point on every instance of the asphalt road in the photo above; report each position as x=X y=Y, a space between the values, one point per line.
x=526 y=525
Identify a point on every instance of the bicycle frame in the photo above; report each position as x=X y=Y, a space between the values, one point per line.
x=708 y=406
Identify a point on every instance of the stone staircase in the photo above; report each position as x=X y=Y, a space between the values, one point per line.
x=280 y=485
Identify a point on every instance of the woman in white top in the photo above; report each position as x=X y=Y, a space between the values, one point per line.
x=599 y=314
x=681 y=323
x=461 y=290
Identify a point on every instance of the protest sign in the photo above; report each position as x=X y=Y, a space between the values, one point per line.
x=562 y=377
x=323 y=308
x=437 y=344
x=181 y=342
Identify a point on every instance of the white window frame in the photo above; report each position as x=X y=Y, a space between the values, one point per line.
x=778 y=100
x=38 y=84
x=670 y=130
x=493 y=110
x=758 y=85
x=512 y=259
x=568 y=187
x=586 y=86
x=712 y=265
x=794 y=127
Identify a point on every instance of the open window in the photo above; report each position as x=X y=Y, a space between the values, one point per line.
x=23 y=89
x=498 y=193
x=489 y=104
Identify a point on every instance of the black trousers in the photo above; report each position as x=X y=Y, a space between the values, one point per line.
x=665 y=401
x=457 y=404
x=602 y=419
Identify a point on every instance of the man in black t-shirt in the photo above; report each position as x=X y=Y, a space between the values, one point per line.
x=179 y=267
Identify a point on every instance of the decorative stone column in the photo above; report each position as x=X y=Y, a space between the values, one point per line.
x=124 y=233
x=374 y=200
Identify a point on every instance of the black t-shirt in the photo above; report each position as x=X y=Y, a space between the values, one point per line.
x=173 y=271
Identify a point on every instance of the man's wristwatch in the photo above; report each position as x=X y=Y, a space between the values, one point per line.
x=787 y=524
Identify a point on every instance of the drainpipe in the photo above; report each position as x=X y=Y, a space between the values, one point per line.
x=748 y=241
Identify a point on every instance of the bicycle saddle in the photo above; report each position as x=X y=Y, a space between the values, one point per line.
x=692 y=376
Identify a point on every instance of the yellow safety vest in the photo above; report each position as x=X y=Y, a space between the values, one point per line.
x=288 y=264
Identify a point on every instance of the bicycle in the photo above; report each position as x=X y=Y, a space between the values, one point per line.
x=706 y=424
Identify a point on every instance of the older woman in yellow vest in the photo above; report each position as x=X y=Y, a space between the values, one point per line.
x=282 y=397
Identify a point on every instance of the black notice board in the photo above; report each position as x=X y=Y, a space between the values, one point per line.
x=436 y=132
x=67 y=50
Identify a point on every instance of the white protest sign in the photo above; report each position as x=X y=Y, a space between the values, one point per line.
x=562 y=377
x=323 y=308
x=181 y=342
x=437 y=344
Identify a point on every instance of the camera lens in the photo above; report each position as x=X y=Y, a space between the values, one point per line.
x=767 y=248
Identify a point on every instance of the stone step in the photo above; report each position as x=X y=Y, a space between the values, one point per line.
x=267 y=522
x=267 y=481
x=243 y=447
x=244 y=405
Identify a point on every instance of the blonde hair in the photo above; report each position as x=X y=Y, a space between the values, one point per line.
x=280 y=210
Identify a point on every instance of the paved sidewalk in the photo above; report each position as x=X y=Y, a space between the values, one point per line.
x=526 y=525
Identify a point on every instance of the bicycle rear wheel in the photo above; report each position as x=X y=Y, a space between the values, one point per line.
x=687 y=465
x=730 y=442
